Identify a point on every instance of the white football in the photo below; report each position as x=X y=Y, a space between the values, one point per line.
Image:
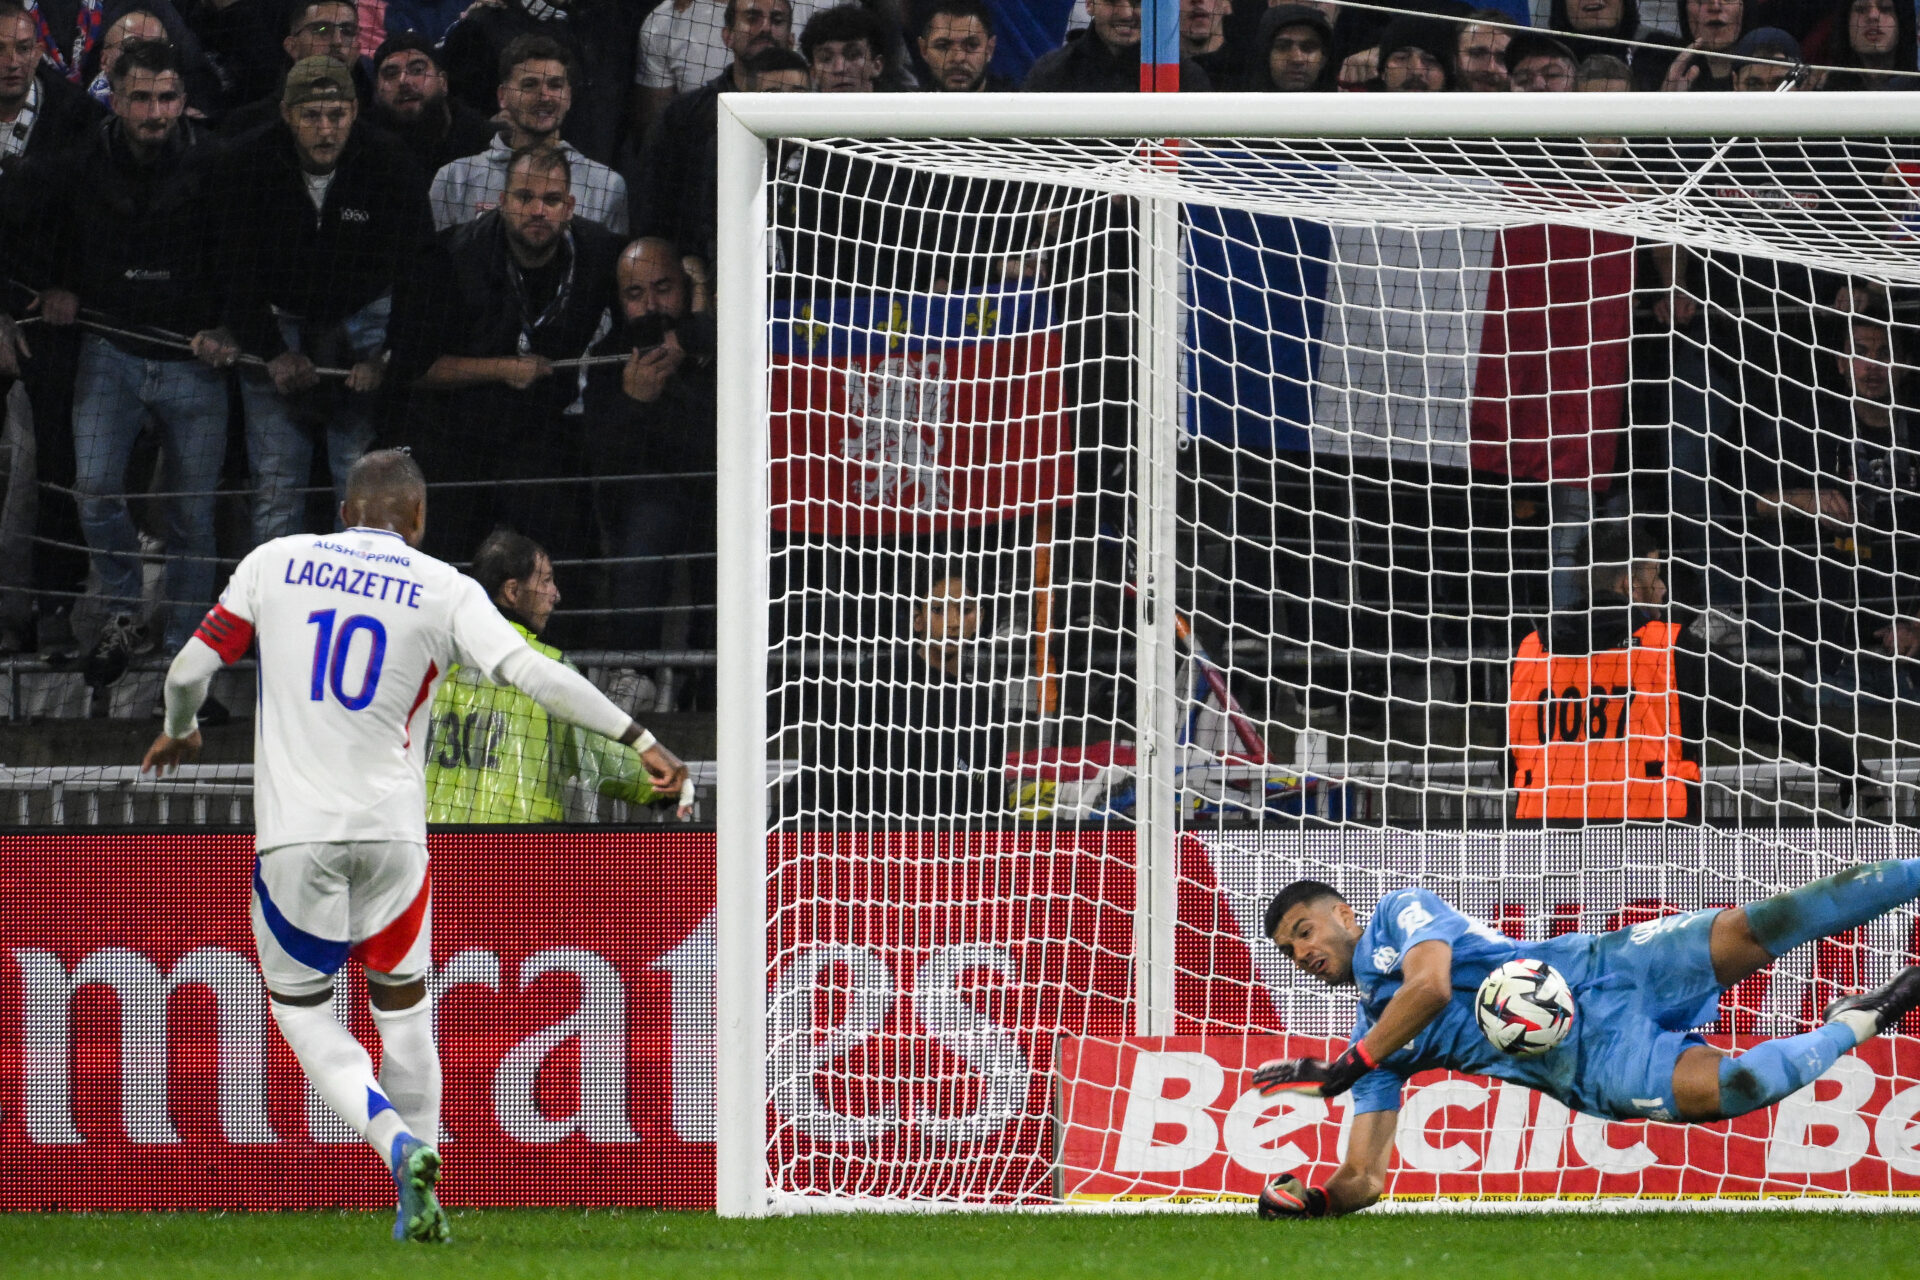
x=1524 y=1007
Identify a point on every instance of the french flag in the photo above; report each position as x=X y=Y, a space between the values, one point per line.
x=1502 y=349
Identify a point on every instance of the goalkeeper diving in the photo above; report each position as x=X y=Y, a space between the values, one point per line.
x=1630 y=1054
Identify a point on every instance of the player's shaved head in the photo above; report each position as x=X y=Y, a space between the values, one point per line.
x=387 y=490
x=1299 y=893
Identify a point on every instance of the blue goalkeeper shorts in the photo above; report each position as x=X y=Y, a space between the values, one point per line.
x=1645 y=987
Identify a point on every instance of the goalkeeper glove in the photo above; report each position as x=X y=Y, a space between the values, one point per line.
x=1288 y=1197
x=1313 y=1075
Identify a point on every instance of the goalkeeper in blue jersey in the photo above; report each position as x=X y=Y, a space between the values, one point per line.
x=1418 y=964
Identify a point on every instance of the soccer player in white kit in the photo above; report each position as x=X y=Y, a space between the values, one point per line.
x=355 y=631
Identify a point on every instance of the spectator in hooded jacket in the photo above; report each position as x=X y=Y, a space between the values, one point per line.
x=1297 y=41
x=1416 y=56
x=537 y=77
x=317 y=217
x=1104 y=57
x=1582 y=24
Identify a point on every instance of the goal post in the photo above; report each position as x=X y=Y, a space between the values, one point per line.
x=1129 y=505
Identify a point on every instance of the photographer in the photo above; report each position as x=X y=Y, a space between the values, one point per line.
x=654 y=417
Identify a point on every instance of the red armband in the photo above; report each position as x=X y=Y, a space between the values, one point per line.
x=227 y=634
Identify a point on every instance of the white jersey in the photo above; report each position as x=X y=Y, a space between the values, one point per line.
x=356 y=630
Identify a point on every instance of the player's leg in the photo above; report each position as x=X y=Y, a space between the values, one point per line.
x=1709 y=1084
x=391 y=924
x=300 y=899
x=1747 y=939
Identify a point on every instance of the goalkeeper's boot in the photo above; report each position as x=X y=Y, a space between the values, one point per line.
x=1872 y=1012
x=416 y=1170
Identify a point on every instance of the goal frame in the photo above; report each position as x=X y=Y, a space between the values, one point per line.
x=747 y=122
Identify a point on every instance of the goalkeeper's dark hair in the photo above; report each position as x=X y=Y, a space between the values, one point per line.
x=1299 y=893
x=505 y=555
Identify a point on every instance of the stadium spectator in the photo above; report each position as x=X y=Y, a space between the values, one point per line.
x=1104 y=57
x=1203 y=40
x=1781 y=51
x=1574 y=674
x=1479 y=54
x=42 y=117
x=537 y=75
x=1602 y=73
x=957 y=43
x=599 y=37
x=1707 y=28
x=484 y=317
x=315 y=29
x=242 y=43
x=134 y=24
x=655 y=416
x=493 y=753
x=410 y=101
x=1589 y=27
x=1298 y=42
x=779 y=71
x=1416 y=56
x=918 y=736
x=318 y=216
x=686 y=45
x=127 y=229
x=678 y=199
x=845 y=46
x=1877 y=38
x=1540 y=64
x=1847 y=507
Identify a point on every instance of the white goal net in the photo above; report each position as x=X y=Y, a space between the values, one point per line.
x=1165 y=500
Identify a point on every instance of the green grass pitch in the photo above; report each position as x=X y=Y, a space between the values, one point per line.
x=558 y=1243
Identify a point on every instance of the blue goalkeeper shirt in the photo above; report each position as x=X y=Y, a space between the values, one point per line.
x=1453 y=1041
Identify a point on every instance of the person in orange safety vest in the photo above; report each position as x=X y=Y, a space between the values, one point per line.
x=1609 y=706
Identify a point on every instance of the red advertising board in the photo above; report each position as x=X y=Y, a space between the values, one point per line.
x=139 y=1070
x=1178 y=1117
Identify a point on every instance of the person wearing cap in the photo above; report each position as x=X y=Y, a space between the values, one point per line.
x=1416 y=56
x=315 y=29
x=316 y=217
x=1539 y=63
x=410 y=101
x=1780 y=53
x=1298 y=42
x=537 y=79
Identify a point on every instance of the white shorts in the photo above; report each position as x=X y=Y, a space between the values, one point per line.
x=314 y=905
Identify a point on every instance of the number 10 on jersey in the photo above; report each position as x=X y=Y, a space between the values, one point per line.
x=331 y=649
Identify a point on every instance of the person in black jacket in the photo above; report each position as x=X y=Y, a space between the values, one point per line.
x=127 y=240
x=655 y=416
x=957 y=45
x=315 y=29
x=317 y=217
x=492 y=307
x=43 y=115
x=410 y=101
x=1104 y=57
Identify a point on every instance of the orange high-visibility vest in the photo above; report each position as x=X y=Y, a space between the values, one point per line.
x=1598 y=735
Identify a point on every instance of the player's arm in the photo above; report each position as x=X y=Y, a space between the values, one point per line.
x=1427 y=985
x=1356 y=1184
x=222 y=638
x=570 y=696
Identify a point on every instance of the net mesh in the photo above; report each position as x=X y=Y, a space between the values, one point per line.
x=1157 y=523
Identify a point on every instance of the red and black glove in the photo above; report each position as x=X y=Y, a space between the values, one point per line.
x=1316 y=1076
x=1288 y=1197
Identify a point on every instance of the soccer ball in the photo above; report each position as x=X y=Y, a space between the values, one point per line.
x=1524 y=1007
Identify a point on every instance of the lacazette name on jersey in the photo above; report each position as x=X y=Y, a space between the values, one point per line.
x=354 y=582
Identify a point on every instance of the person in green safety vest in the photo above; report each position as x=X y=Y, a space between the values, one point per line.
x=493 y=754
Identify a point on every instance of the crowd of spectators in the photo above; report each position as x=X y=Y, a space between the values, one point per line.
x=242 y=240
